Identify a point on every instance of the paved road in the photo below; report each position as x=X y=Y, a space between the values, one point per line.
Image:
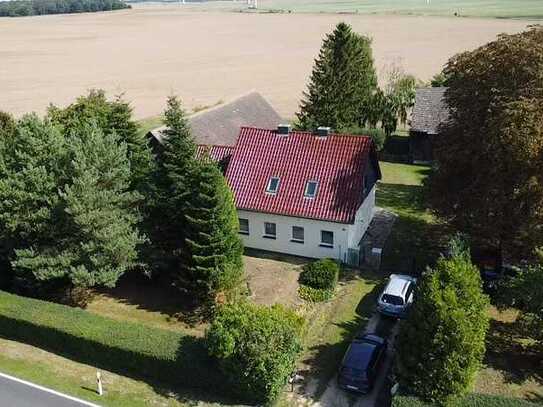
x=18 y=393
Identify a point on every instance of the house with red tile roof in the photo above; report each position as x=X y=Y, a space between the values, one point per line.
x=303 y=193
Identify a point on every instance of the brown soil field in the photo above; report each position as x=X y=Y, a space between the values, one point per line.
x=150 y=52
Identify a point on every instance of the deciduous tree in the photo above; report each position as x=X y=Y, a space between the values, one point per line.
x=488 y=178
x=256 y=347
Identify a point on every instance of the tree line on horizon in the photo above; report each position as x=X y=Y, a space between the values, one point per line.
x=22 y=8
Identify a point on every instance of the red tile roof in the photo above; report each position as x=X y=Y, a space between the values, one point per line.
x=337 y=162
x=216 y=153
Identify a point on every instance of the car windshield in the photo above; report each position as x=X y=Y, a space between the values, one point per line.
x=392 y=299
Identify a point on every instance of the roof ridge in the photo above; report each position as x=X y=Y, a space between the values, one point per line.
x=309 y=132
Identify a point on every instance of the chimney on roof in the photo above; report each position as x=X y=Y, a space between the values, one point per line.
x=323 y=132
x=283 y=129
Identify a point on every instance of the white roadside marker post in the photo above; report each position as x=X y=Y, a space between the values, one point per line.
x=99 y=382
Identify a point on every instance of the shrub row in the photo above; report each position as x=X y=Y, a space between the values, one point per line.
x=126 y=348
x=471 y=400
x=314 y=294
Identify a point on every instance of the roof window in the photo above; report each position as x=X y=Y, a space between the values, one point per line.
x=311 y=189
x=273 y=185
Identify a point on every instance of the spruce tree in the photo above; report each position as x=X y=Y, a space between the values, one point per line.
x=212 y=253
x=171 y=181
x=342 y=81
x=442 y=343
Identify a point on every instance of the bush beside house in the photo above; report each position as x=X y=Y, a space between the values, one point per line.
x=318 y=280
x=256 y=347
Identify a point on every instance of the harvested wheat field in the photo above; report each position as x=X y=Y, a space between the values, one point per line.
x=150 y=52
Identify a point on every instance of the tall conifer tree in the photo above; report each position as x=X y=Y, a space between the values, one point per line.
x=212 y=253
x=342 y=81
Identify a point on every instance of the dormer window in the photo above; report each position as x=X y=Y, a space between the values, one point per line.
x=273 y=185
x=311 y=189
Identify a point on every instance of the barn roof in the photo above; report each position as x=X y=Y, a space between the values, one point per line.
x=430 y=110
x=220 y=125
x=337 y=162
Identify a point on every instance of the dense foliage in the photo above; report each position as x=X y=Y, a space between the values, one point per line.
x=342 y=81
x=321 y=274
x=211 y=261
x=122 y=347
x=442 y=343
x=256 y=347
x=377 y=135
x=523 y=291
x=21 y=8
x=488 y=181
x=111 y=116
x=67 y=216
x=471 y=400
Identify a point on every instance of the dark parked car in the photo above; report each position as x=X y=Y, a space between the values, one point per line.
x=361 y=363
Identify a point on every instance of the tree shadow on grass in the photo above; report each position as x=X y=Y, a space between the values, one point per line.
x=325 y=358
x=508 y=352
x=416 y=239
x=189 y=374
x=156 y=296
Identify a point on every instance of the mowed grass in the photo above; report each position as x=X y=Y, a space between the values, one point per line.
x=464 y=8
x=332 y=325
x=417 y=237
x=79 y=380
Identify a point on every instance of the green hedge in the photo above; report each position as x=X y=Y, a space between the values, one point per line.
x=314 y=294
x=126 y=348
x=321 y=274
x=471 y=400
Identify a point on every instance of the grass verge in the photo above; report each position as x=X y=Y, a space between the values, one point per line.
x=79 y=380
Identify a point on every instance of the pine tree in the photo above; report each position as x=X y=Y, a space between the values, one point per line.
x=110 y=116
x=68 y=218
x=212 y=253
x=441 y=345
x=342 y=81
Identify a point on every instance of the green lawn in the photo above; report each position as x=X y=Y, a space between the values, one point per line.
x=416 y=237
x=468 y=8
x=79 y=380
x=331 y=327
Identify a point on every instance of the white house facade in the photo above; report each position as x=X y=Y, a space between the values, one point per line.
x=306 y=237
x=302 y=193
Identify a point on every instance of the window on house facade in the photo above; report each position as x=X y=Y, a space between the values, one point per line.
x=311 y=189
x=273 y=185
x=244 y=226
x=297 y=234
x=327 y=238
x=270 y=230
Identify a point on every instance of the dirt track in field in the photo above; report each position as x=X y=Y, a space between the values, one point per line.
x=150 y=52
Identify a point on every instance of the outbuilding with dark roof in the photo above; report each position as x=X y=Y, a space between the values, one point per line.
x=429 y=113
